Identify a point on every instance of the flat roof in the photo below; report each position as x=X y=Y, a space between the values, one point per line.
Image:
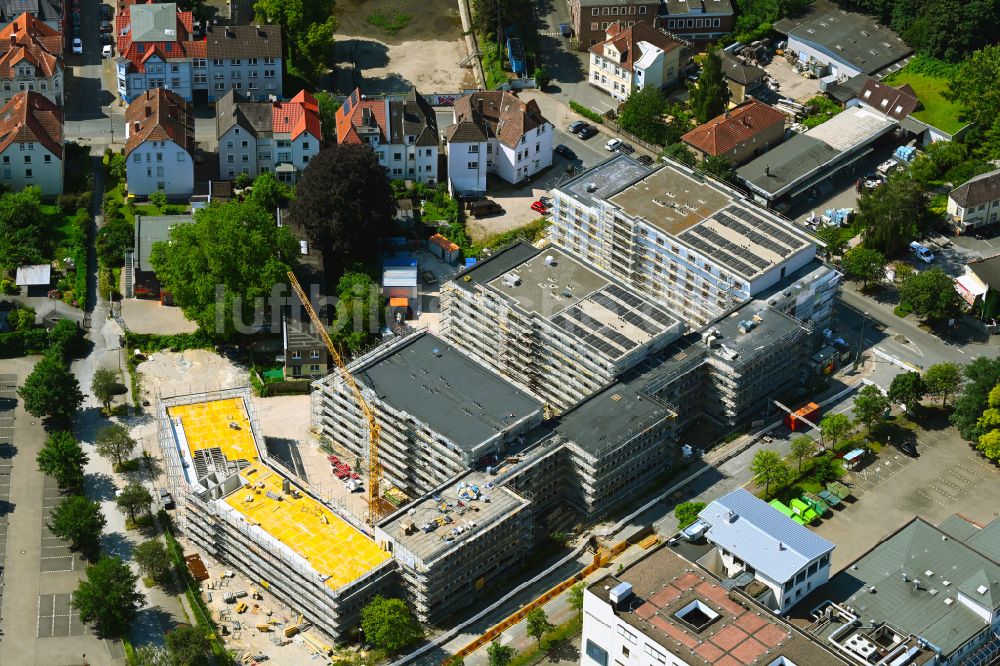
x=604 y=179
x=670 y=199
x=929 y=608
x=849 y=37
x=801 y=156
x=150 y=229
x=435 y=524
x=763 y=326
x=33 y=275
x=220 y=435
x=456 y=397
x=591 y=306
x=737 y=633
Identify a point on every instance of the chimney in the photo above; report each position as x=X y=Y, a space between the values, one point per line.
x=149 y=111
x=230 y=34
x=260 y=32
x=767 y=169
x=13 y=40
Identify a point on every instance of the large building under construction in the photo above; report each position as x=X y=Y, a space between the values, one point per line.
x=242 y=511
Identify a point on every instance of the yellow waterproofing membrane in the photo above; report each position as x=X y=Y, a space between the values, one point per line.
x=333 y=547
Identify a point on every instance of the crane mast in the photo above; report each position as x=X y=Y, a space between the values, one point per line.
x=374 y=429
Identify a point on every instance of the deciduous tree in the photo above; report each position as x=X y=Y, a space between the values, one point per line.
x=189 y=646
x=133 y=499
x=710 y=95
x=870 y=406
x=345 y=203
x=108 y=597
x=269 y=193
x=328 y=106
x=499 y=654
x=931 y=294
x=687 y=512
x=114 y=443
x=802 y=447
x=943 y=380
x=104 y=386
x=768 y=470
x=891 y=215
x=21 y=230
x=865 y=265
x=79 y=521
x=359 y=309
x=538 y=624
x=307 y=26
x=152 y=559
x=680 y=152
x=642 y=114
x=62 y=458
x=51 y=392
x=389 y=624
x=834 y=427
x=718 y=167
x=907 y=389
x=982 y=374
x=575 y=597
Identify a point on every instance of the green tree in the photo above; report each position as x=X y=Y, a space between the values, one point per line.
x=499 y=654
x=907 y=389
x=233 y=245
x=803 y=446
x=943 y=380
x=687 y=512
x=108 y=598
x=152 y=655
x=931 y=294
x=62 y=458
x=718 y=167
x=158 y=198
x=891 y=215
x=825 y=469
x=269 y=193
x=359 y=309
x=832 y=238
x=768 y=470
x=982 y=374
x=679 y=152
x=541 y=77
x=455 y=660
x=642 y=114
x=51 y=392
x=104 y=386
x=153 y=559
x=389 y=624
x=21 y=318
x=188 y=646
x=114 y=444
x=870 y=407
x=575 y=597
x=117 y=168
x=328 y=106
x=79 y=521
x=21 y=230
x=710 y=95
x=308 y=27
x=113 y=239
x=345 y=203
x=66 y=338
x=973 y=85
x=834 y=427
x=538 y=624
x=865 y=265
x=133 y=499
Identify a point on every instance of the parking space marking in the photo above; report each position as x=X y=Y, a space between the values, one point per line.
x=57 y=618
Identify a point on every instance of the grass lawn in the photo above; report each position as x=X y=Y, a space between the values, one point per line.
x=62 y=225
x=937 y=109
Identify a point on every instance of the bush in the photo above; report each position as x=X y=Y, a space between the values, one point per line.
x=541 y=77
x=158 y=198
x=589 y=114
x=66 y=203
x=7 y=287
x=687 y=512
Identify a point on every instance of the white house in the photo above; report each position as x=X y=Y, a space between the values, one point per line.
x=402 y=131
x=976 y=202
x=31 y=143
x=634 y=57
x=159 y=141
x=495 y=132
x=752 y=536
x=261 y=137
x=30 y=59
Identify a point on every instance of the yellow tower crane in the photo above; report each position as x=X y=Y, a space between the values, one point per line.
x=374 y=429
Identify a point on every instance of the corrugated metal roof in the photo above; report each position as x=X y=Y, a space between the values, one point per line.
x=399 y=277
x=758 y=534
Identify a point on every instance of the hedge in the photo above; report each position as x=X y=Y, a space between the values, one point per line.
x=589 y=114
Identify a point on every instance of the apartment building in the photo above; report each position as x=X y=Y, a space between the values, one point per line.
x=692 y=244
x=31 y=59
x=267 y=137
x=159 y=142
x=755 y=542
x=548 y=321
x=402 y=131
x=440 y=411
x=633 y=57
x=592 y=18
x=52 y=13
x=457 y=542
x=976 y=202
x=664 y=610
x=738 y=135
x=495 y=132
x=698 y=21
x=235 y=505
x=156 y=49
x=31 y=143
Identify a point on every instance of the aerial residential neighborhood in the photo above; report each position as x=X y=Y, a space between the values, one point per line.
x=651 y=333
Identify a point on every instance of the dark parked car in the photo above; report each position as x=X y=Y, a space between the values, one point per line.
x=587 y=132
x=626 y=148
x=106 y=12
x=565 y=151
x=909 y=448
x=105 y=25
x=107 y=39
x=644 y=159
x=576 y=126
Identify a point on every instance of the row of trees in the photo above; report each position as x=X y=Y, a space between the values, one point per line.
x=307 y=27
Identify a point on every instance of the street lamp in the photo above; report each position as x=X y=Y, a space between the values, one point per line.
x=861 y=341
x=111 y=121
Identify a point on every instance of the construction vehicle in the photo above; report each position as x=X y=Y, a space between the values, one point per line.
x=263 y=626
x=374 y=429
x=293 y=629
x=241 y=607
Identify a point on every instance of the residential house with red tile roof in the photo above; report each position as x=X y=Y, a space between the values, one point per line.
x=402 y=131
x=31 y=59
x=157 y=49
x=634 y=57
x=51 y=12
x=495 y=132
x=738 y=135
x=31 y=143
x=262 y=137
x=159 y=143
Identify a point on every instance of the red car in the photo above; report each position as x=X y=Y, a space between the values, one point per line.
x=539 y=207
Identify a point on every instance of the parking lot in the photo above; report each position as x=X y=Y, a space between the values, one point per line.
x=56 y=554
x=57 y=618
x=8 y=388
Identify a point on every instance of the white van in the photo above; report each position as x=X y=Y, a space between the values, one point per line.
x=921 y=252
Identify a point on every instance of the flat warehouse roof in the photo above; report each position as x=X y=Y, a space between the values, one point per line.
x=455 y=396
x=795 y=160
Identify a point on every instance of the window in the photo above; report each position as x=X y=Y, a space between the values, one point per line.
x=236 y=74
x=174 y=69
x=314 y=353
x=314 y=367
x=305 y=145
x=237 y=61
x=200 y=63
x=229 y=144
x=473 y=165
x=217 y=62
x=245 y=157
x=698 y=23
x=175 y=82
x=27 y=173
x=395 y=156
x=27 y=159
x=296 y=355
x=595 y=25
x=626 y=634
x=268 y=61
x=219 y=86
x=625 y=651
x=180 y=157
x=716 y=23
x=596 y=653
x=230 y=158
x=201 y=78
x=137 y=158
x=159 y=172
x=595 y=11
x=6 y=173
x=6 y=85
x=6 y=159
x=474 y=148
x=48 y=159
x=251 y=61
x=268 y=73
x=614 y=11
x=642 y=9
x=244 y=143
x=159 y=157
